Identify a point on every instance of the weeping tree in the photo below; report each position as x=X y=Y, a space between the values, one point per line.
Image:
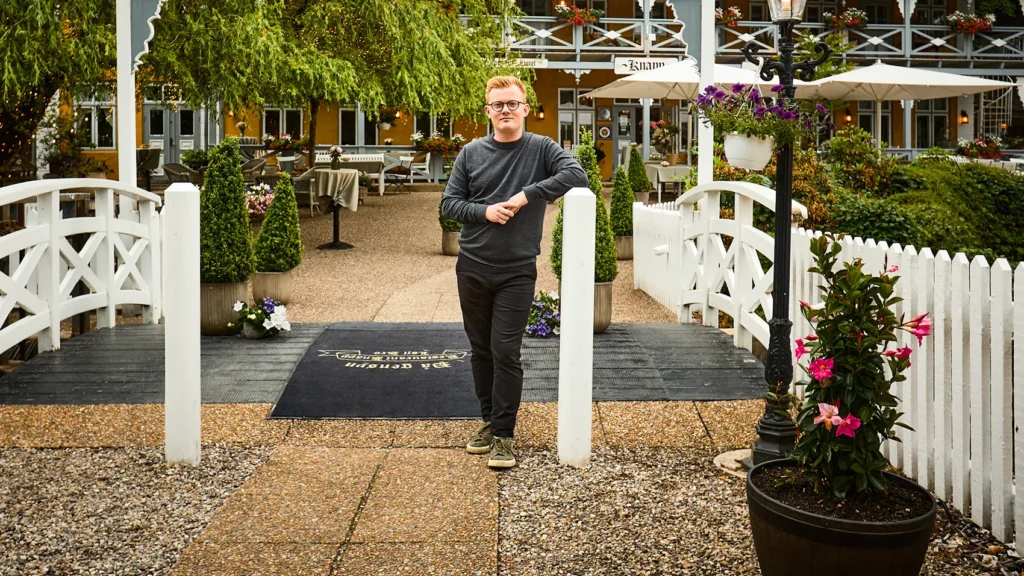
x=46 y=46
x=418 y=55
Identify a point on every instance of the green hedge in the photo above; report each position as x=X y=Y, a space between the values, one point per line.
x=622 y=204
x=637 y=173
x=874 y=218
x=606 y=268
x=279 y=244
x=225 y=239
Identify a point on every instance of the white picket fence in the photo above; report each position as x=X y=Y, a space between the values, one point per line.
x=965 y=388
x=119 y=262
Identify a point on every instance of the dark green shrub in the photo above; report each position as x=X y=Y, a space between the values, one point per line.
x=874 y=218
x=195 y=158
x=279 y=244
x=622 y=204
x=638 y=179
x=225 y=239
x=447 y=224
x=605 y=266
x=938 y=226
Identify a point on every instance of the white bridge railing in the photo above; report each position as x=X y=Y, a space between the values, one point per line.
x=965 y=389
x=118 y=262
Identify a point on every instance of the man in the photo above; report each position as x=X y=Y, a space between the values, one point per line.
x=499 y=189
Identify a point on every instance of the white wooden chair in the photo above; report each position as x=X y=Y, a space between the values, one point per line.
x=420 y=168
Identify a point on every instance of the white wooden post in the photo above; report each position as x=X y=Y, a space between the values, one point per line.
x=1002 y=401
x=943 y=369
x=705 y=133
x=576 y=346
x=1018 y=405
x=908 y=269
x=181 y=332
x=960 y=358
x=895 y=258
x=924 y=372
x=981 y=420
x=149 y=261
x=49 y=268
x=106 y=317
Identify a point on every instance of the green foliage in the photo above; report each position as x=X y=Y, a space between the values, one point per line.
x=881 y=219
x=225 y=240
x=606 y=267
x=638 y=179
x=846 y=376
x=195 y=158
x=447 y=224
x=279 y=244
x=937 y=225
x=836 y=41
x=857 y=165
x=622 y=204
x=65 y=143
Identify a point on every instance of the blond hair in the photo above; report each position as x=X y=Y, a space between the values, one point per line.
x=504 y=82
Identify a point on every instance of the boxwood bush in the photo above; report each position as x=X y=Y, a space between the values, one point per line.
x=622 y=204
x=279 y=244
x=447 y=224
x=637 y=173
x=225 y=239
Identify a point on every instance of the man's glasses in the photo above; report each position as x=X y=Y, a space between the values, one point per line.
x=498 y=105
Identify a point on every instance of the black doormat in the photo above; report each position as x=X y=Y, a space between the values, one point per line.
x=378 y=370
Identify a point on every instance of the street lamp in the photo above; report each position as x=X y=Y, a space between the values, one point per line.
x=776 y=431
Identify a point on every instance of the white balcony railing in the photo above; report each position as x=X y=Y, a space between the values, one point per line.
x=608 y=35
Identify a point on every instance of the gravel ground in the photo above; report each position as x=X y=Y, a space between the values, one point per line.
x=109 y=511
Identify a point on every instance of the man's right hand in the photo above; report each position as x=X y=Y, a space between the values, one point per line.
x=499 y=213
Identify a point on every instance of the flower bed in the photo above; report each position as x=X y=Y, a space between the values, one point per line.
x=438 y=144
x=577 y=16
x=258 y=198
x=284 y=143
x=981 y=147
x=970 y=23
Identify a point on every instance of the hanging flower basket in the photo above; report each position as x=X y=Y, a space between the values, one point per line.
x=748 y=152
x=970 y=23
x=729 y=16
x=577 y=16
x=851 y=18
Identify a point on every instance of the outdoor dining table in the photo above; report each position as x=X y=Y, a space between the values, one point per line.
x=340 y=188
x=659 y=175
x=368 y=166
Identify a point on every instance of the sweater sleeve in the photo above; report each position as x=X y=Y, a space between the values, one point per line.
x=566 y=173
x=455 y=203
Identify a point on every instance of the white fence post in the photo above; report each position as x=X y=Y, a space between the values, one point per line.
x=981 y=420
x=1002 y=400
x=106 y=317
x=1018 y=406
x=924 y=372
x=182 y=396
x=943 y=370
x=576 y=345
x=960 y=358
x=49 y=268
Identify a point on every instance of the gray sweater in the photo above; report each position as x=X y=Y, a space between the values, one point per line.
x=488 y=172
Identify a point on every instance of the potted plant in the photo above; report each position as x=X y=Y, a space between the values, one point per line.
x=577 y=16
x=545 y=319
x=196 y=159
x=663 y=138
x=241 y=125
x=834 y=494
x=278 y=246
x=986 y=147
x=638 y=179
x=753 y=124
x=257 y=199
x=365 y=181
x=850 y=18
x=225 y=239
x=266 y=318
x=729 y=16
x=622 y=215
x=385 y=120
x=970 y=23
x=335 y=152
x=450 y=232
x=605 y=266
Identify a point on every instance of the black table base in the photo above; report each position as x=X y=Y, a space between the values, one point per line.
x=335 y=244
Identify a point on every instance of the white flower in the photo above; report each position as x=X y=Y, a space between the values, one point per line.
x=557 y=330
x=268 y=324
x=252 y=316
x=553 y=294
x=286 y=326
x=238 y=306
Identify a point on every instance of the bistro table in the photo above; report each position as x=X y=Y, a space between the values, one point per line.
x=659 y=175
x=373 y=167
x=340 y=189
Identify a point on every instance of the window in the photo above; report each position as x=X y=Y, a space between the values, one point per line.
x=814 y=9
x=759 y=11
x=347 y=127
x=878 y=12
x=930 y=12
x=279 y=121
x=932 y=122
x=658 y=10
x=428 y=125
x=187 y=123
x=370 y=133
x=601 y=5
x=96 y=118
x=534 y=7
x=574 y=114
x=866 y=119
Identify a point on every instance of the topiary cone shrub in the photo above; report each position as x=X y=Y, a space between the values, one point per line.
x=605 y=266
x=279 y=244
x=622 y=204
x=225 y=239
x=447 y=224
x=637 y=173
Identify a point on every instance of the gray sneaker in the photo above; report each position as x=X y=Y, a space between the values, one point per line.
x=502 y=455
x=481 y=441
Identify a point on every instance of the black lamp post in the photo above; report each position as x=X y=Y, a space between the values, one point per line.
x=776 y=432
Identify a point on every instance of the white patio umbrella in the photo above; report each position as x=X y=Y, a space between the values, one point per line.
x=880 y=82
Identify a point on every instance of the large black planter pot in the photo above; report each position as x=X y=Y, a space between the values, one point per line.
x=791 y=542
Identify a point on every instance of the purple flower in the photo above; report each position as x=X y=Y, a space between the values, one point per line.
x=787 y=115
x=821 y=108
x=720 y=95
x=738 y=87
x=777 y=88
x=710 y=89
x=760 y=111
x=754 y=96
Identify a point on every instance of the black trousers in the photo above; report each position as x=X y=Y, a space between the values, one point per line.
x=495 y=308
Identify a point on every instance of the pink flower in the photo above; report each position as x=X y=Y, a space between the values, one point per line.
x=804 y=304
x=822 y=368
x=919 y=326
x=800 y=350
x=810 y=337
x=893 y=268
x=903 y=352
x=828 y=414
x=847 y=426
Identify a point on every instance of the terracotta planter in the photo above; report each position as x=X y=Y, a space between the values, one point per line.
x=672 y=159
x=602 y=306
x=276 y=285
x=783 y=535
x=450 y=243
x=642 y=197
x=623 y=247
x=216 y=302
x=748 y=152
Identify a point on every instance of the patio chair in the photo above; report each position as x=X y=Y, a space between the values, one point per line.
x=398 y=176
x=178 y=172
x=420 y=164
x=252 y=169
x=305 y=185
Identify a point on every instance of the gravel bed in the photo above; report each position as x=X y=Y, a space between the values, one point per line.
x=666 y=511
x=110 y=511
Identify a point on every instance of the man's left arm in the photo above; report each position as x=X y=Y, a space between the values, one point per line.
x=566 y=173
